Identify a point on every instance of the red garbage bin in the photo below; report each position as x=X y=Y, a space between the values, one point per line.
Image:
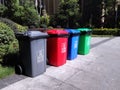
x=57 y=47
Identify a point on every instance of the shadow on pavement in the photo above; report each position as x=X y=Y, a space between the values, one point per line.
x=13 y=79
x=101 y=42
x=10 y=80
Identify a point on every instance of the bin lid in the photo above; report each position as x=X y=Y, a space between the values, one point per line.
x=56 y=32
x=31 y=35
x=84 y=29
x=34 y=34
x=73 y=31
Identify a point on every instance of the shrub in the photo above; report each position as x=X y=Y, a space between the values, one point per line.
x=25 y=14
x=118 y=33
x=45 y=18
x=14 y=26
x=67 y=15
x=105 y=31
x=30 y=17
x=8 y=43
x=2 y=9
x=21 y=28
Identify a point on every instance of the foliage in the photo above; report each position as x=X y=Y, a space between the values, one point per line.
x=70 y=13
x=21 y=28
x=106 y=31
x=67 y=15
x=14 y=26
x=92 y=13
x=30 y=17
x=45 y=18
x=24 y=14
x=110 y=14
x=2 y=9
x=8 y=43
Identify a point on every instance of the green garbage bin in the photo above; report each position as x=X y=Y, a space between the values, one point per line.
x=84 y=41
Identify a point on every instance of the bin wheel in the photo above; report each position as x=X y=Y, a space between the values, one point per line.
x=18 y=69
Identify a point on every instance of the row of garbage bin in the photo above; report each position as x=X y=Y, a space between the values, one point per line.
x=54 y=47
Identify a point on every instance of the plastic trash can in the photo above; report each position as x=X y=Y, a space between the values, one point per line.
x=84 y=41
x=57 y=47
x=73 y=43
x=32 y=46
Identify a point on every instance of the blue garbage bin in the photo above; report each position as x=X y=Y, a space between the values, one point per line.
x=72 y=43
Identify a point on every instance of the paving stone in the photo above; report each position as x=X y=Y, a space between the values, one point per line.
x=10 y=80
x=62 y=72
x=87 y=80
x=41 y=82
x=65 y=86
x=98 y=70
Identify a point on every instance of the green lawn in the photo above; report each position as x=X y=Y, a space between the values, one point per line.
x=6 y=71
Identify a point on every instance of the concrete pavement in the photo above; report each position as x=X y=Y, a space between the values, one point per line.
x=99 y=70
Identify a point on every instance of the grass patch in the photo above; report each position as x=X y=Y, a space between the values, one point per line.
x=6 y=71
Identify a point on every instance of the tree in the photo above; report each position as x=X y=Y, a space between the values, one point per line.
x=22 y=12
x=110 y=13
x=86 y=9
x=68 y=14
x=96 y=13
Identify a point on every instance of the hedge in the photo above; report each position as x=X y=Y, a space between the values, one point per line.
x=14 y=26
x=7 y=39
x=106 y=31
x=8 y=43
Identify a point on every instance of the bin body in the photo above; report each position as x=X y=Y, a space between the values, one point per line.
x=84 y=41
x=72 y=43
x=32 y=53
x=57 y=47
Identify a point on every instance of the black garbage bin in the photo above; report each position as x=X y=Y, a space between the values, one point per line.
x=32 y=48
